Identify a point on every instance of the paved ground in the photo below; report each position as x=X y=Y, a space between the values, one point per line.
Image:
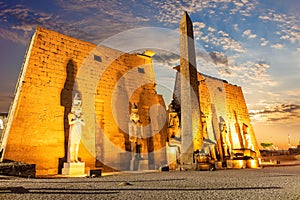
x=266 y=183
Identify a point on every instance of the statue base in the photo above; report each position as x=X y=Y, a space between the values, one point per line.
x=186 y=162
x=133 y=164
x=74 y=169
x=188 y=167
x=236 y=164
x=172 y=159
x=138 y=165
x=253 y=163
x=143 y=165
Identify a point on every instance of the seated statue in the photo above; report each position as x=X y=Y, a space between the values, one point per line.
x=225 y=140
x=174 y=133
x=247 y=138
x=208 y=145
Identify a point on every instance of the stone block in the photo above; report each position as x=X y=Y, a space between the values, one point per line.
x=17 y=169
x=74 y=169
x=219 y=165
x=95 y=173
x=203 y=167
x=252 y=163
x=236 y=164
x=143 y=165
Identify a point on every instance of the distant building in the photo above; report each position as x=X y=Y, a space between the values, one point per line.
x=295 y=151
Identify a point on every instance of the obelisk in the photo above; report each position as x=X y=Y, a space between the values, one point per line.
x=189 y=98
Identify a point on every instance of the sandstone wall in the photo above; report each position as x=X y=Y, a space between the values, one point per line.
x=220 y=102
x=55 y=66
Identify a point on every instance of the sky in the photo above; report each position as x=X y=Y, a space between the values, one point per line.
x=251 y=43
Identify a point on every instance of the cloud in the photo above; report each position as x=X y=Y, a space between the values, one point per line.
x=169 y=9
x=285 y=37
x=258 y=75
x=211 y=29
x=24 y=22
x=100 y=21
x=286 y=22
x=264 y=42
x=265 y=18
x=223 y=33
x=223 y=40
x=24 y=28
x=221 y=62
x=219 y=58
x=248 y=34
x=249 y=73
x=281 y=113
x=166 y=59
x=231 y=44
x=277 y=46
x=12 y=36
x=236 y=27
x=294 y=93
x=198 y=25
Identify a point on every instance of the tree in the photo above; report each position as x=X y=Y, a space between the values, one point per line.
x=266 y=144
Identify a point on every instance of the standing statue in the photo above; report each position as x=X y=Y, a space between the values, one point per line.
x=225 y=140
x=75 y=118
x=135 y=132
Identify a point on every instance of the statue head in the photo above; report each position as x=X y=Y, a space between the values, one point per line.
x=174 y=121
x=203 y=117
x=171 y=108
x=76 y=100
x=223 y=126
x=245 y=128
x=134 y=116
x=76 y=105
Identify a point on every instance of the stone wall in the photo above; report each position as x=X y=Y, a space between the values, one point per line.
x=55 y=66
x=223 y=102
x=220 y=103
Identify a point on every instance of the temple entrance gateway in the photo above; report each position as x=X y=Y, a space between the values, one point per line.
x=126 y=125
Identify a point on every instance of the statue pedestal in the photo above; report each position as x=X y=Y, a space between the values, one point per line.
x=74 y=169
x=236 y=164
x=138 y=165
x=172 y=156
x=252 y=163
x=186 y=162
x=143 y=165
x=133 y=164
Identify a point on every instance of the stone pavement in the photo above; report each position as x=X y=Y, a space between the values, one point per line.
x=266 y=183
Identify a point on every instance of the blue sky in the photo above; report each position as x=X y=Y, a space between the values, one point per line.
x=251 y=43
